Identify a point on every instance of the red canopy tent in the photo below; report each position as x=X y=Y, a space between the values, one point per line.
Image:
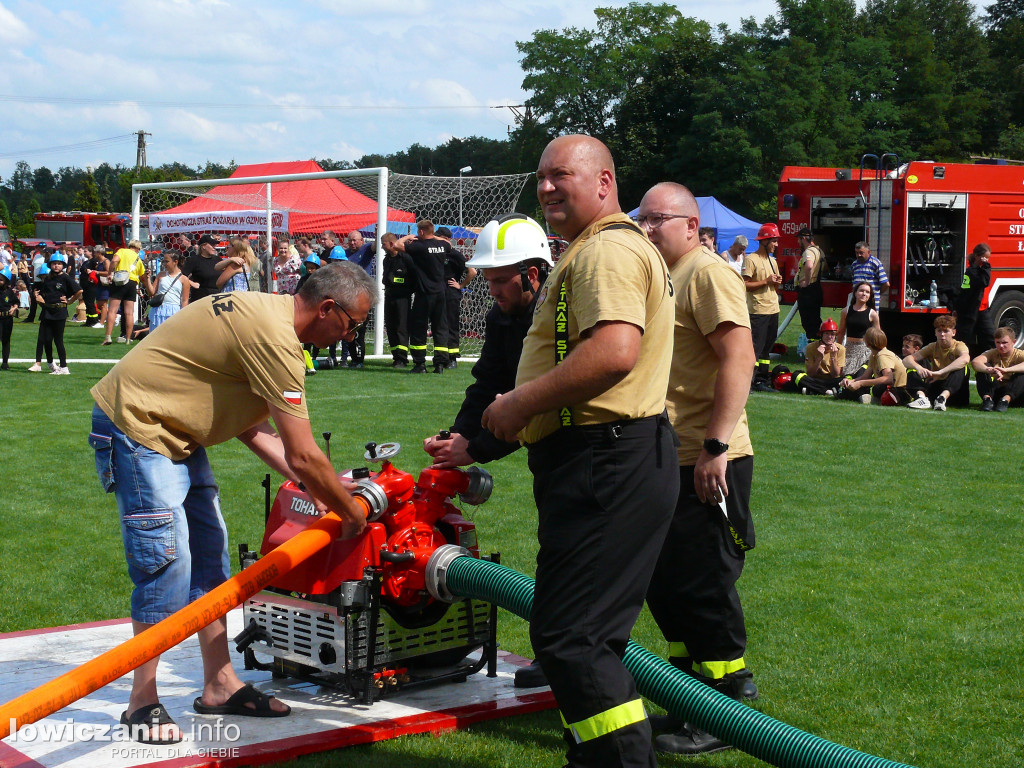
x=313 y=205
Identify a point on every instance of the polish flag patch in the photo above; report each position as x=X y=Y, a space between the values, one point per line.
x=295 y=398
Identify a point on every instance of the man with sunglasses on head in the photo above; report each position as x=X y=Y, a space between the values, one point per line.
x=151 y=453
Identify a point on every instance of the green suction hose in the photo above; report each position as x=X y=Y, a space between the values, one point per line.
x=681 y=695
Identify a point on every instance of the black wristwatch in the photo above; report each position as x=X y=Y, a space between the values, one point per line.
x=715 y=447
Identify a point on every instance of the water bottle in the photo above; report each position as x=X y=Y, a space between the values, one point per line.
x=801 y=344
x=933 y=295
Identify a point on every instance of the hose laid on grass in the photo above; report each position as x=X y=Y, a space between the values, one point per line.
x=681 y=695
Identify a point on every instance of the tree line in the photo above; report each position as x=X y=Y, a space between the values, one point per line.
x=722 y=110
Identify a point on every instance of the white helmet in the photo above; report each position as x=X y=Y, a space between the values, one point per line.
x=508 y=241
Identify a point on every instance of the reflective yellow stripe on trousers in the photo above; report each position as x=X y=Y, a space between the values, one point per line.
x=605 y=722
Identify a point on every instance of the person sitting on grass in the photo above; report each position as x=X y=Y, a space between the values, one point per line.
x=911 y=343
x=939 y=369
x=999 y=372
x=884 y=371
x=824 y=363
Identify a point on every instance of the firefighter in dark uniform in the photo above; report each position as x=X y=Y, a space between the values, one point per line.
x=399 y=277
x=8 y=307
x=973 y=324
x=429 y=254
x=515 y=258
x=589 y=404
x=808 y=283
x=693 y=593
x=457 y=275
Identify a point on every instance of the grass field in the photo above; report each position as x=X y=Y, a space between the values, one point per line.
x=881 y=597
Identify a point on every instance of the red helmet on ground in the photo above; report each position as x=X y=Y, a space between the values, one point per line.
x=782 y=381
x=767 y=231
x=829 y=325
x=889 y=398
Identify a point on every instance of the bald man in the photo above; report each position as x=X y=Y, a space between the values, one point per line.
x=693 y=594
x=589 y=404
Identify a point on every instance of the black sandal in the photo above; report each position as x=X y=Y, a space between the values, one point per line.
x=152 y=716
x=237 y=705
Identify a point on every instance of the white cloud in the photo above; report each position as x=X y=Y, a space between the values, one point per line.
x=13 y=32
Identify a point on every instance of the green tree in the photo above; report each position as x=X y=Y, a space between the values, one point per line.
x=88 y=196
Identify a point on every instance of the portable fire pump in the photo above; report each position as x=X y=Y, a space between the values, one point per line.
x=357 y=616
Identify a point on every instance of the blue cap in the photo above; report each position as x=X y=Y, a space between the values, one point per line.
x=312 y=259
x=6 y=272
x=338 y=254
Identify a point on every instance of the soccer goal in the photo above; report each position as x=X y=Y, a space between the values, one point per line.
x=293 y=200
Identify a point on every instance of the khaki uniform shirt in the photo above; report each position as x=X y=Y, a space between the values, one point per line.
x=708 y=293
x=886 y=358
x=810 y=266
x=825 y=362
x=1016 y=357
x=765 y=300
x=207 y=374
x=612 y=275
x=937 y=357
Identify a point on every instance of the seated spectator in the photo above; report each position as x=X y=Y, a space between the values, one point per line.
x=884 y=371
x=999 y=372
x=938 y=369
x=911 y=343
x=854 y=322
x=824 y=363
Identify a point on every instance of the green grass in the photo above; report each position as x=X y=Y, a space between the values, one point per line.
x=880 y=600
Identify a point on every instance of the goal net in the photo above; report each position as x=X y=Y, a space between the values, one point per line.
x=297 y=200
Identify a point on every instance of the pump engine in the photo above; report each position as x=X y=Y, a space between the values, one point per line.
x=357 y=615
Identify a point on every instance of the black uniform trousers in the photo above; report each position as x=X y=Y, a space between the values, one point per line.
x=997 y=390
x=809 y=302
x=396 y=323
x=453 y=308
x=953 y=382
x=428 y=308
x=764 y=329
x=976 y=331
x=51 y=333
x=89 y=298
x=6 y=329
x=605 y=496
x=33 y=304
x=356 y=349
x=693 y=595
x=815 y=386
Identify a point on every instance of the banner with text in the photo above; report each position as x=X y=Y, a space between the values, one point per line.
x=217 y=221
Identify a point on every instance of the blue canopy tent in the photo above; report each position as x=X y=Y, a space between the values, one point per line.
x=727 y=224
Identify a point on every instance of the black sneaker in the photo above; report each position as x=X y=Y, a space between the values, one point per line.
x=419 y=368
x=1002 y=406
x=987 y=405
x=438 y=368
x=399 y=363
x=689 y=740
x=5 y=367
x=355 y=365
x=453 y=365
x=530 y=676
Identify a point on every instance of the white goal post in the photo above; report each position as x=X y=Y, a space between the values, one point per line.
x=310 y=202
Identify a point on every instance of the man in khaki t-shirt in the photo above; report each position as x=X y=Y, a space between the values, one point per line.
x=589 y=402
x=1000 y=372
x=219 y=369
x=809 y=295
x=693 y=593
x=938 y=369
x=762 y=278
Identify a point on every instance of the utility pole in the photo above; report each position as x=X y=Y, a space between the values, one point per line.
x=140 y=153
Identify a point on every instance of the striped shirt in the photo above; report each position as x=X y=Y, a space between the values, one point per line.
x=870 y=271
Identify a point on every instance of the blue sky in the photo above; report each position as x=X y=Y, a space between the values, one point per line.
x=208 y=60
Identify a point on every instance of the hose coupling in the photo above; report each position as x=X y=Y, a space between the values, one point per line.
x=435 y=574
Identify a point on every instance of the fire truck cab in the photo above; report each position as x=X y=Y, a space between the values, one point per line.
x=920 y=219
x=81 y=227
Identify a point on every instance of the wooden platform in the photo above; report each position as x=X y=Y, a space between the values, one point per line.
x=80 y=736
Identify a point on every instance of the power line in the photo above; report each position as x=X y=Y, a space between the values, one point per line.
x=229 y=105
x=68 y=147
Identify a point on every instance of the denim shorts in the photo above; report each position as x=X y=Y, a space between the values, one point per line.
x=175 y=540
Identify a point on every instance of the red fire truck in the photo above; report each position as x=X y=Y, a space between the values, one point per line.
x=920 y=219
x=80 y=227
x=5 y=236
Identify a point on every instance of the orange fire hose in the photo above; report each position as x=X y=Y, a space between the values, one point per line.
x=118 y=661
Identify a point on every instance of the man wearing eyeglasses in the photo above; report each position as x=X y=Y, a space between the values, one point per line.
x=159 y=409
x=693 y=595
x=589 y=404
